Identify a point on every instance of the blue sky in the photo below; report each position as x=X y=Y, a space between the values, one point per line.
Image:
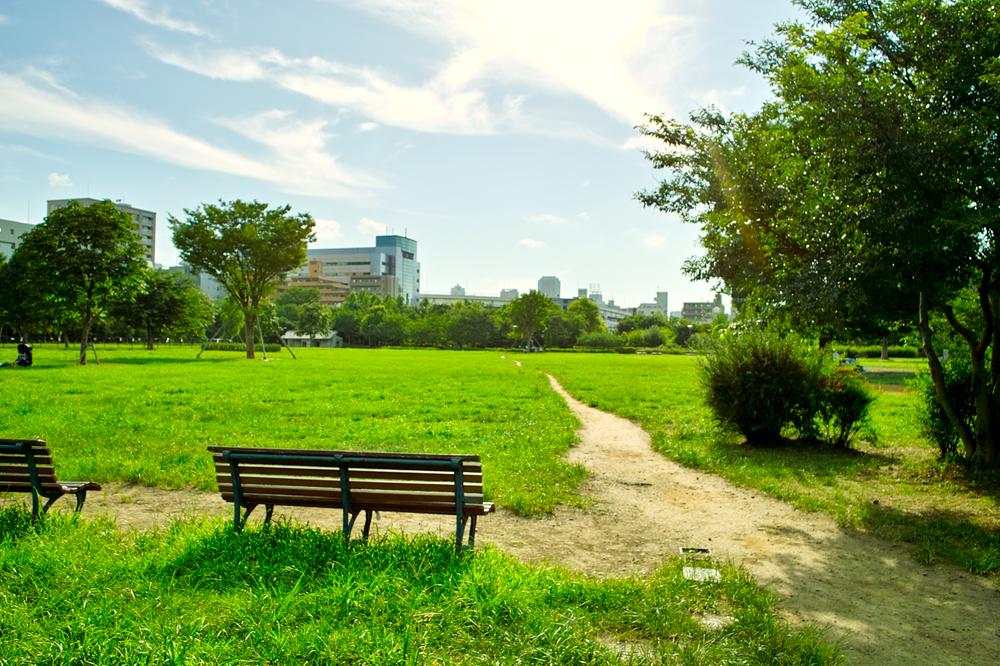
x=498 y=134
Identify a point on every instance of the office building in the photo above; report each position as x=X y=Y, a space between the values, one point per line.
x=388 y=269
x=703 y=312
x=458 y=290
x=10 y=233
x=659 y=306
x=144 y=221
x=550 y=286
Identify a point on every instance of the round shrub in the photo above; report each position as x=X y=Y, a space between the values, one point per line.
x=844 y=401
x=759 y=383
x=647 y=337
x=600 y=340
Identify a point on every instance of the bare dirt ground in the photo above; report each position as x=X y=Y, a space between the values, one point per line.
x=872 y=596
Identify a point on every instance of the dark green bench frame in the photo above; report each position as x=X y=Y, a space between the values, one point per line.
x=26 y=467
x=341 y=491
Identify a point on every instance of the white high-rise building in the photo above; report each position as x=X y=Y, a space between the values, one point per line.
x=144 y=221
x=549 y=285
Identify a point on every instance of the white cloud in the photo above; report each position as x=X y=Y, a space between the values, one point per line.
x=583 y=215
x=428 y=108
x=141 y=10
x=367 y=127
x=326 y=230
x=294 y=160
x=4 y=20
x=613 y=54
x=620 y=57
x=58 y=180
x=300 y=156
x=546 y=218
x=654 y=240
x=370 y=226
x=531 y=243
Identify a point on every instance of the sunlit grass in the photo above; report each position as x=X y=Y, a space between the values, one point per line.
x=196 y=592
x=891 y=483
x=146 y=417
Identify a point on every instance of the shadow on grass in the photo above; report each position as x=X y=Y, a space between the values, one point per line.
x=939 y=536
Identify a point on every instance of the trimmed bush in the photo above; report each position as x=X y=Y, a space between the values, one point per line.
x=758 y=384
x=646 y=337
x=844 y=402
x=238 y=346
x=761 y=385
x=600 y=340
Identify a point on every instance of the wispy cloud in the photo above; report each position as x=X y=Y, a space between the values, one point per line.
x=531 y=243
x=51 y=111
x=59 y=180
x=159 y=17
x=546 y=218
x=4 y=19
x=621 y=58
x=430 y=107
x=649 y=144
x=367 y=127
x=370 y=226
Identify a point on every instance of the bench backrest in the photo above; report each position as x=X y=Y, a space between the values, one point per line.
x=17 y=457
x=417 y=482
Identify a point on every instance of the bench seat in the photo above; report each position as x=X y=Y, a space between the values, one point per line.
x=26 y=467
x=354 y=482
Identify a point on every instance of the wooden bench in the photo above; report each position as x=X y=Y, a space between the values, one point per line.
x=353 y=482
x=26 y=467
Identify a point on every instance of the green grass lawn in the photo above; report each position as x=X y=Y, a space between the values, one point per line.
x=890 y=483
x=81 y=592
x=146 y=417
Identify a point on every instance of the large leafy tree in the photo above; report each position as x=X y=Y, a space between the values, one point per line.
x=77 y=263
x=168 y=304
x=529 y=313
x=868 y=188
x=247 y=247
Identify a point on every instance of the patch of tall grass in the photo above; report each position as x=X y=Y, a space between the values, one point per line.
x=199 y=593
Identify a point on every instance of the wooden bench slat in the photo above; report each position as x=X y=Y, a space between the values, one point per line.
x=353 y=454
x=222 y=469
x=470 y=488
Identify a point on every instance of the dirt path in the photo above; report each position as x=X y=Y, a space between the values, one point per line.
x=873 y=596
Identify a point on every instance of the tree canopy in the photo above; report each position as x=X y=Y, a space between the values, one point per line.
x=867 y=191
x=75 y=265
x=246 y=246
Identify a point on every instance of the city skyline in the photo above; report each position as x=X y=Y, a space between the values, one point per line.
x=500 y=136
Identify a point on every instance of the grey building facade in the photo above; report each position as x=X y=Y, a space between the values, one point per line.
x=144 y=221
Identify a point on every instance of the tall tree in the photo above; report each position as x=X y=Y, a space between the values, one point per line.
x=589 y=315
x=247 y=247
x=167 y=304
x=872 y=180
x=80 y=261
x=529 y=314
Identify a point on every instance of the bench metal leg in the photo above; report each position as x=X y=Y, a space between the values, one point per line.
x=268 y=512
x=239 y=523
x=34 y=506
x=81 y=497
x=368 y=523
x=472 y=532
x=459 y=532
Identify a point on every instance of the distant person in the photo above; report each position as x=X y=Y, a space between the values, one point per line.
x=24 y=358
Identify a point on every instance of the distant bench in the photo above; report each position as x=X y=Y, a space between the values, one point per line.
x=353 y=482
x=26 y=467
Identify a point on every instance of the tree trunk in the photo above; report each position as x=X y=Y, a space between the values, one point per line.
x=84 y=339
x=149 y=337
x=884 y=356
x=937 y=374
x=248 y=333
